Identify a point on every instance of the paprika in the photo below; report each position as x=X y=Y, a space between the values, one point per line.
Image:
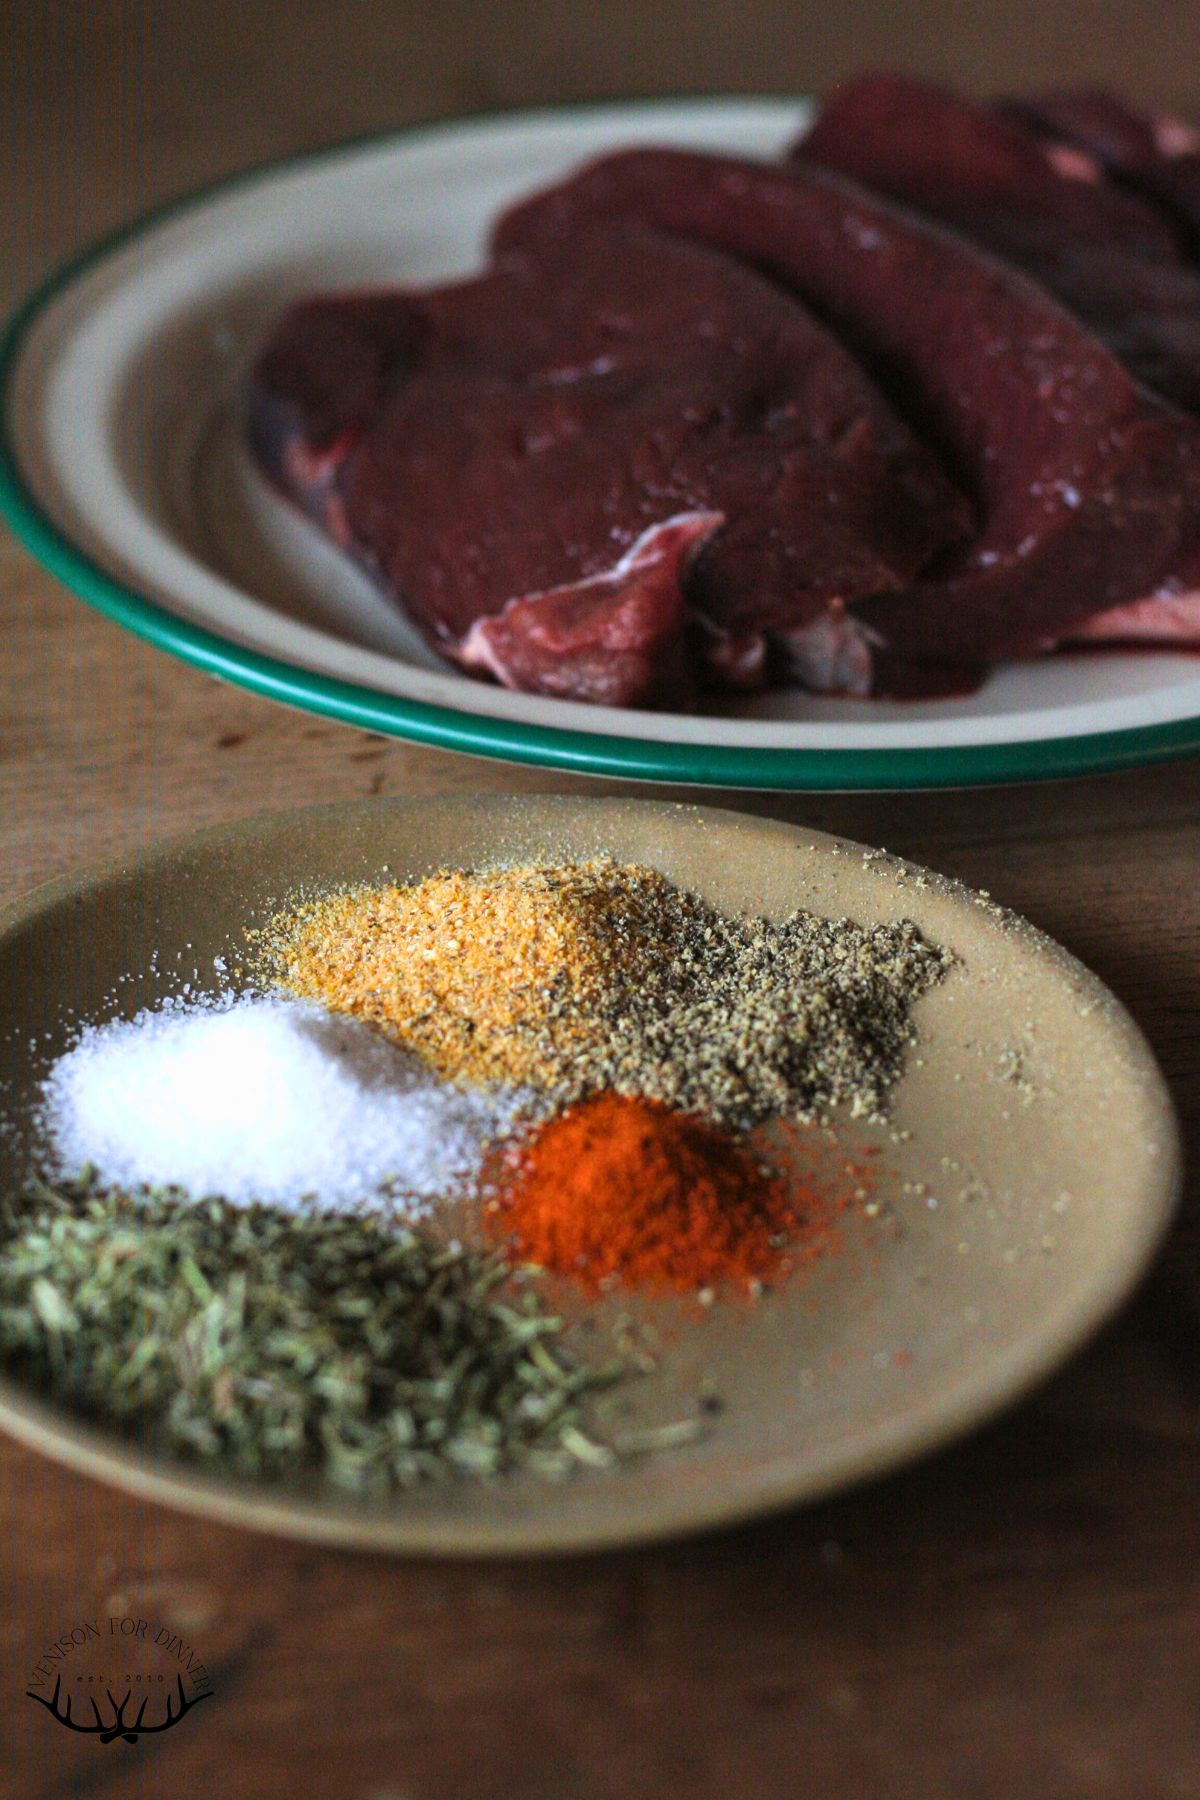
x=619 y=1189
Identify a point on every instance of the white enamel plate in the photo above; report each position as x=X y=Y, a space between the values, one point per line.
x=122 y=467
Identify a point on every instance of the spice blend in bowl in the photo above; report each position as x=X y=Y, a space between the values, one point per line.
x=995 y=1222
x=566 y=1059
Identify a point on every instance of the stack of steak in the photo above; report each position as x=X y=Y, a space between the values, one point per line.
x=918 y=400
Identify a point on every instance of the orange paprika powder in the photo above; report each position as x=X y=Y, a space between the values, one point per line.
x=629 y=1190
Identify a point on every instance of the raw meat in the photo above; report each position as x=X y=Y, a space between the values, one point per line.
x=604 y=638
x=1089 y=487
x=1108 y=255
x=588 y=476
x=1157 y=156
x=1169 y=619
x=967 y=161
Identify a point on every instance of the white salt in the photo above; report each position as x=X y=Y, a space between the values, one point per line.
x=263 y=1098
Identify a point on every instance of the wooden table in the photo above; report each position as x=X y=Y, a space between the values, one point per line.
x=1018 y=1615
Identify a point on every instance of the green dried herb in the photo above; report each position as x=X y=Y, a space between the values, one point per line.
x=278 y=1343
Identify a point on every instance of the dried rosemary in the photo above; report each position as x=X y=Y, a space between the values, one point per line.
x=280 y=1343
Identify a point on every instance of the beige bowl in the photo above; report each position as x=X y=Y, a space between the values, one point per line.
x=1029 y=1172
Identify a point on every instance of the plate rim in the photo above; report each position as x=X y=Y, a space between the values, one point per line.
x=461 y=729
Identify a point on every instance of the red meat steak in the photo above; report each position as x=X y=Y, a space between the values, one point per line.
x=1110 y=256
x=555 y=469
x=1157 y=156
x=1168 y=620
x=1089 y=486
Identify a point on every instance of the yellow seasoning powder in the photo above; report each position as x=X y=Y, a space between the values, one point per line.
x=487 y=977
x=576 y=978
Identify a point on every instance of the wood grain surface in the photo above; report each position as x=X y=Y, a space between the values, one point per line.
x=1018 y=1615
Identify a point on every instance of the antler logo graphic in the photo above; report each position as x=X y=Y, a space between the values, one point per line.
x=118 y=1726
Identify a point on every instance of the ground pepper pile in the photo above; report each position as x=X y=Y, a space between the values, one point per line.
x=600 y=976
x=618 y=1189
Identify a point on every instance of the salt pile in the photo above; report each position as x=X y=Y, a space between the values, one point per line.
x=261 y=1098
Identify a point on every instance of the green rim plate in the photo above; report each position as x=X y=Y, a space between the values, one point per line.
x=478 y=734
